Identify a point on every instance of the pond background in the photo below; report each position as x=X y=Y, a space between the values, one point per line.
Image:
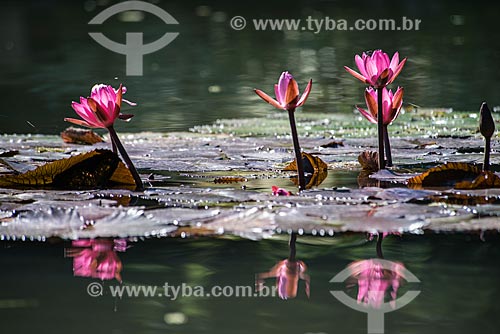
x=47 y=59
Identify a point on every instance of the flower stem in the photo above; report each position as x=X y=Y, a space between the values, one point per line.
x=387 y=145
x=380 y=123
x=298 y=153
x=291 y=244
x=113 y=146
x=487 y=149
x=380 y=237
x=116 y=141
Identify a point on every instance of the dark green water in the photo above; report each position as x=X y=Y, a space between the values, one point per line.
x=458 y=283
x=47 y=59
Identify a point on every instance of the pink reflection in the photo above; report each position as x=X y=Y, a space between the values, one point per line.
x=374 y=282
x=287 y=272
x=97 y=258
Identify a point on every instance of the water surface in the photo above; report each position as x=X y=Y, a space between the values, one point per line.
x=458 y=274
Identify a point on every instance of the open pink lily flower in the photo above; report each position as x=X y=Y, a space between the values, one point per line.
x=97 y=258
x=376 y=69
x=287 y=273
x=102 y=108
x=374 y=282
x=391 y=105
x=287 y=93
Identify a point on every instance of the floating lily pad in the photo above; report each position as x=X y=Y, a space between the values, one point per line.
x=89 y=170
x=182 y=192
x=86 y=222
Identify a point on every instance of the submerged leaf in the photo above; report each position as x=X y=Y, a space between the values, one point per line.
x=312 y=180
x=316 y=169
x=333 y=144
x=87 y=170
x=422 y=144
x=485 y=180
x=123 y=177
x=368 y=161
x=446 y=175
x=465 y=199
x=8 y=154
x=312 y=164
x=80 y=136
x=229 y=179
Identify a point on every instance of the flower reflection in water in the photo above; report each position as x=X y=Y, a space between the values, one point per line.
x=288 y=272
x=97 y=258
x=375 y=281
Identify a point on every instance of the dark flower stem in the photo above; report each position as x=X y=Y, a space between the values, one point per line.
x=387 y=145
x=380 y=123
x=113 y=146
x=291 y=244
x=380 y=254
x=487 y=149
x=296 y=147
x=116 y=141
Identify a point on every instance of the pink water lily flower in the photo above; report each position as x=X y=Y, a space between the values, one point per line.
x=376 y=69
x=287 y=93
x=102 y=108
x=391 y=105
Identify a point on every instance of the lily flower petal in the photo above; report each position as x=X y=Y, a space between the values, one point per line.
x=360 y=64
x=80 y=122
x=277 y=92
x=394 y=61
x=356 y=74
x=292 y=93
x=398 y=70
x=133 y=104
x=283 y=84
x=367 y=115
x=268 y=99
x=125 y=117
x=397 y=103
x=118 y=103
x=305 y=94
x=371 y=101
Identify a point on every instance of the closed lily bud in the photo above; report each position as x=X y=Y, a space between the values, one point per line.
x=486 y=122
